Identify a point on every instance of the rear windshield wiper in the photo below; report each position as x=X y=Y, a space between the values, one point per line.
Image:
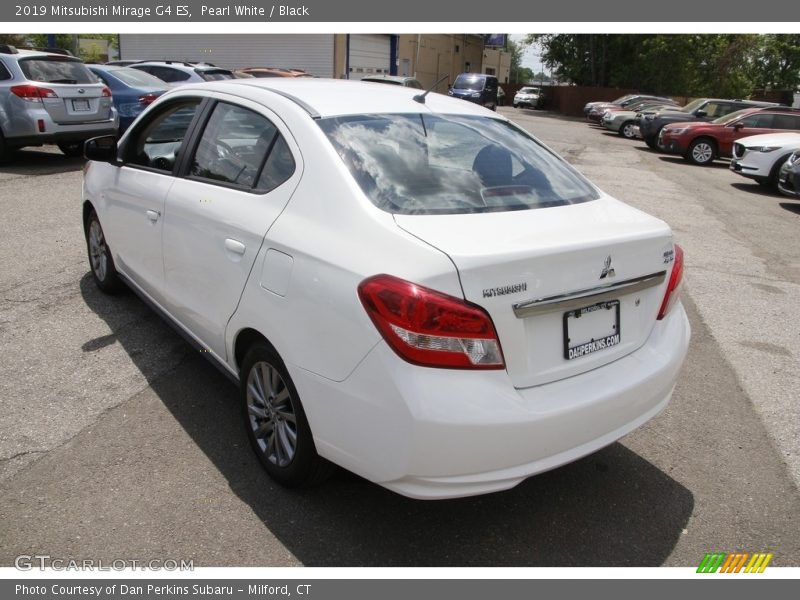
x=63 y=81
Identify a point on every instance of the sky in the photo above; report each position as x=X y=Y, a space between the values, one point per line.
x=530 y=58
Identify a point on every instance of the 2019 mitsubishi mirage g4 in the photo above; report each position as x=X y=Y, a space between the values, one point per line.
x=405 y=285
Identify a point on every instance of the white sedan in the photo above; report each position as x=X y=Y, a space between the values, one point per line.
x=760 y=157
x=406 y=285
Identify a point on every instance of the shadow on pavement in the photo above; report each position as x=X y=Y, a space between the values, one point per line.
x=679 y=160
x=756 y=189
x=795 y=208
x=40 y=161
x=611 y=508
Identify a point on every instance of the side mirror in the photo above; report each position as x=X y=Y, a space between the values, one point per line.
x=701 y=113
x=102 y=149
x=738 y=126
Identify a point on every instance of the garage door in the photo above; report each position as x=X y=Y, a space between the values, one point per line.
x=369 y=55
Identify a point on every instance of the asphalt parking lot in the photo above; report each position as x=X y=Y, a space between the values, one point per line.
x=118 y=440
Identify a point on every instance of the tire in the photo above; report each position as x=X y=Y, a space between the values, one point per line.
x=5 y=152
x=651 y=142
x=516 y=105
x=101 y=262
x=71 y=148
x=276 y=423
x=772 y=180
x=626 y=130
x=701 y=151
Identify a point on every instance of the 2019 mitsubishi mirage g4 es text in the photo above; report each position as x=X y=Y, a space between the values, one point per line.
x=405 y=285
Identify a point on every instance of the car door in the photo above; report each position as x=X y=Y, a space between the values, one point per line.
x=135 y=199
x=238 y=178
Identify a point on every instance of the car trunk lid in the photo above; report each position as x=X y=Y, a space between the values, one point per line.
x=568 y=288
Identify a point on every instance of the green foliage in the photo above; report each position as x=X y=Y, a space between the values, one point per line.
x=67 y=41
x=724 y=65
x=777 y=63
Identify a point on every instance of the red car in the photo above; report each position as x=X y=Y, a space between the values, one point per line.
x=702 y=142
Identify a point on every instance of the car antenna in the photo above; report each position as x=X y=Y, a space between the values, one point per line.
x=421 y=97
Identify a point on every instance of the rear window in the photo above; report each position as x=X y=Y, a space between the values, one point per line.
x=136 y=78
x=211 y=75
x=449 y=164
x=56 y=70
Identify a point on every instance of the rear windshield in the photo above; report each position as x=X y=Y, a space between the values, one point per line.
x=137 y=78
x=468 y=83
x=56 y=70
x=211 y=75
x=448 y=164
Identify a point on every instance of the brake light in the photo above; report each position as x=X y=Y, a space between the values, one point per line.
x=673 y=288
x=32 y=93
x=147 y=99
x=429 y=328
x=106 y=93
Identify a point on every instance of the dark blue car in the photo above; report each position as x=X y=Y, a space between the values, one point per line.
x=131 y=90
x=476 y=87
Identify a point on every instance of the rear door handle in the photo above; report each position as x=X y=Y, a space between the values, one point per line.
x=235 y=246
x=153 y=215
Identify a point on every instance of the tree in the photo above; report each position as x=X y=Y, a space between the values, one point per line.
x=777 y=63
x=12 y=39
x=684 y=64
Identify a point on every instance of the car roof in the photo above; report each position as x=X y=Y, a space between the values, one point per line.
x=322 y=97
x=25 y=53
x=399 y=78
x=180 y=64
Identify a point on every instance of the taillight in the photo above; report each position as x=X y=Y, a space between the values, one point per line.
x=106 y=93
x=429 y=328
x=32 y=93
x=673 y=288
x=147 y=99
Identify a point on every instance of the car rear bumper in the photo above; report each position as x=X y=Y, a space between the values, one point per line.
x=435 y=433
x=37 y=128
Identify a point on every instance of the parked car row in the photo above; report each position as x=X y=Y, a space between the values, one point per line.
x=760 y=138
x=48 y=96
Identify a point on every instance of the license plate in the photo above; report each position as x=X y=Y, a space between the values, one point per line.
x=80 y=105
x=590 y=329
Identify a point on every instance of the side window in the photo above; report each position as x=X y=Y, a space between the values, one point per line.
x=279 y=167
x=786 y=122
x=761 y=121
x=715 y=110
x=242 y=148
x=102 y=77
x=157 y=142
x=4 y=73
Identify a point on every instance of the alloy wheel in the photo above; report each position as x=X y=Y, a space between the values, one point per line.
x=98 y=251
x=271 y=414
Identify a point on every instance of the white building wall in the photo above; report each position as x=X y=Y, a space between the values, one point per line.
x=311 y=52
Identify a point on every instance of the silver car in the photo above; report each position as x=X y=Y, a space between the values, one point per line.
x=50 y=98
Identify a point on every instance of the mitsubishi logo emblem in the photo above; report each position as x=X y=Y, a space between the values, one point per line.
x=608 y=270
